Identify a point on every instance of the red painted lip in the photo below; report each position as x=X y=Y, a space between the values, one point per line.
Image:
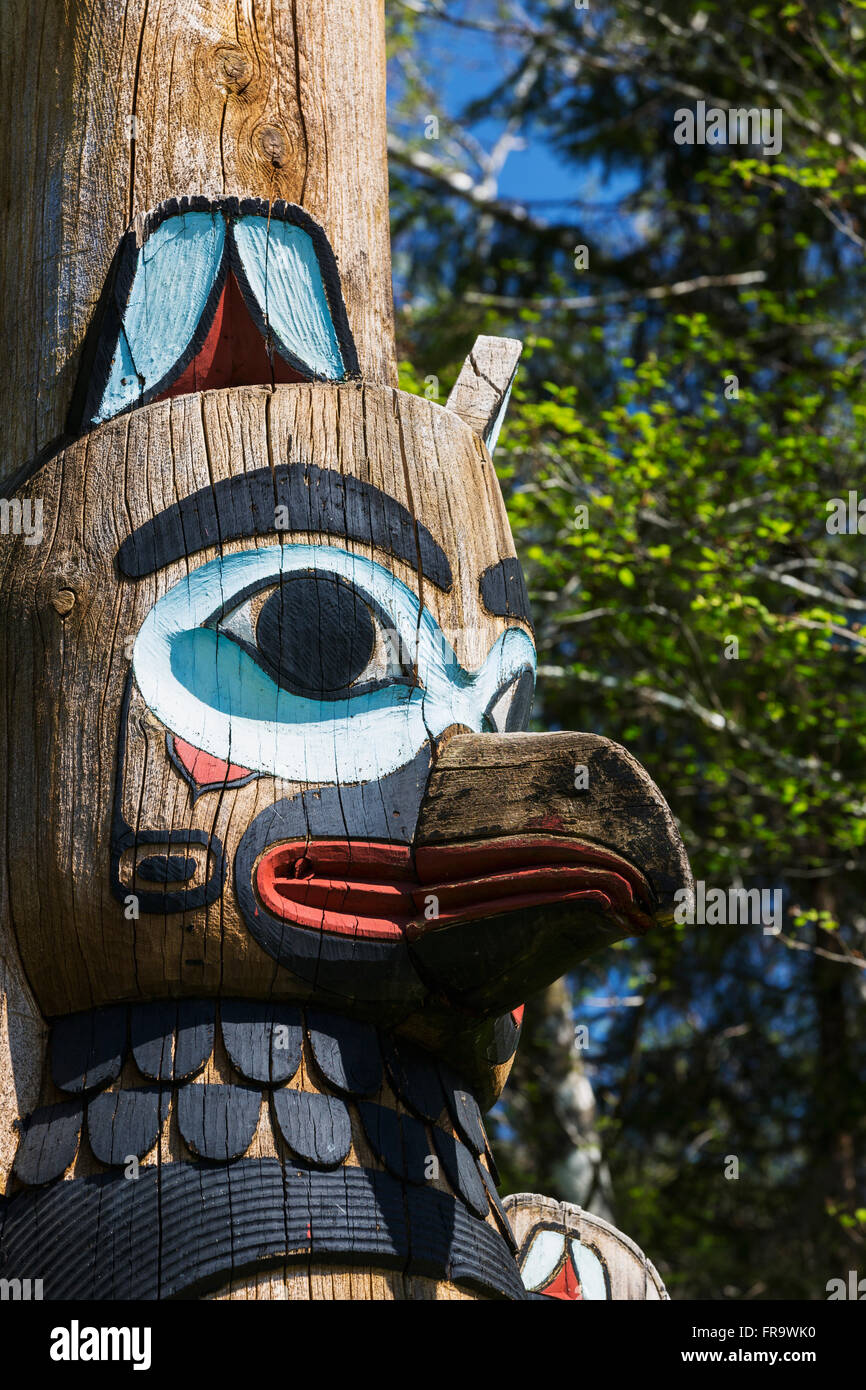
x=380 y=891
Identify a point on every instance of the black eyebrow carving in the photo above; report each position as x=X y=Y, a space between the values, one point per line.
x=311 y=498
x=503 y=590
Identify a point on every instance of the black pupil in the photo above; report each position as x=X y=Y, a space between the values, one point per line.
x=316 y=633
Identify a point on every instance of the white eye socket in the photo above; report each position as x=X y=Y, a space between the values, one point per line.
x=316 y=635
x=543 y=1259
x=590 y=1271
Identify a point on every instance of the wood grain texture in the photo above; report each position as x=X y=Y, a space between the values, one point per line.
x=172 y=1040
x=125 y=1123
x=218 y=1121
x=23 y=1043
x=422 y=1231
x=263 y=1041
x=170 y=755
x=481 y=389
x=64 y=744
x=416 y=1079
x=265 y=100
x=317 y=1128
x=87 y=1050
x=49 y=1142
x=530 y=781
x=346 y=1052
x=341 y=1284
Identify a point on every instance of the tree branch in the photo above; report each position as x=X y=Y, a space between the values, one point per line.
x=593 y=301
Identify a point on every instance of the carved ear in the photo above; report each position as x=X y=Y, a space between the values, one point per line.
x=481 y=391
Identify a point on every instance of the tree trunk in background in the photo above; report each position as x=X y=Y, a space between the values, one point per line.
x=551 y=1101
x=109 y=107
x=836 y=1104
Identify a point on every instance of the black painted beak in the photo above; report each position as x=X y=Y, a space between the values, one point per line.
x=534 y=850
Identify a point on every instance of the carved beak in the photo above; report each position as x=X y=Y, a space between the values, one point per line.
x=534 y=850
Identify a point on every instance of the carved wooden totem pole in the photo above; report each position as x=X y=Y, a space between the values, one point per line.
x=277 y=864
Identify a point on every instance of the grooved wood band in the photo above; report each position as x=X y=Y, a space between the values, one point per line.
x=187 y=1228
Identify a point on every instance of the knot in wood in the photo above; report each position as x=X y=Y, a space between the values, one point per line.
x=64 y=601
x=232 y=69
x=273 y=145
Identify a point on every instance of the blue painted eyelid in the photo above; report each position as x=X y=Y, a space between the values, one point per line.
x=283 y=274
x=175 y=274
x=178 y=276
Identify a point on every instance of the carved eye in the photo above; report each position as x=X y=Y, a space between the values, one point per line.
x=310 y=664
x=317 y=635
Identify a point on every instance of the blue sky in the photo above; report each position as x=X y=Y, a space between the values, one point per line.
x=471 y=65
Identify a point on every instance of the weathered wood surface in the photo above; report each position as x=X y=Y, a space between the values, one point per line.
x=573 y=784
x=67 y=727
x=341 y=1284
x=127 y=1125
x=604 y=1265
x=109 y=107
x=480 y=393
x=22 y=1042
